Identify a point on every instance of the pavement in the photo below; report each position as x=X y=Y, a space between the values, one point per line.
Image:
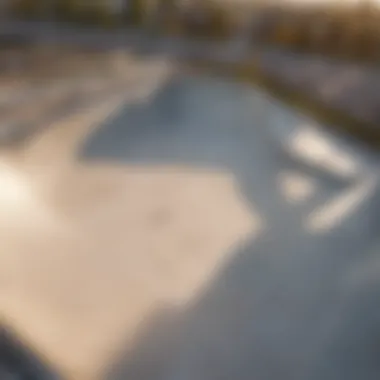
x=165 y=232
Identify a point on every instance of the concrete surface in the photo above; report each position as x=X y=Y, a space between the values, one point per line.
x=175 y=235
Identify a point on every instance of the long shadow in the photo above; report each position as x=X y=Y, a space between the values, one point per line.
x=18 y=361
x=348 y=87
x=289 y=304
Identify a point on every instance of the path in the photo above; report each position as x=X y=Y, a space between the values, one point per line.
x=165 y=234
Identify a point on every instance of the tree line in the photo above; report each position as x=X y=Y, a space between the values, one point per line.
x=352 y=32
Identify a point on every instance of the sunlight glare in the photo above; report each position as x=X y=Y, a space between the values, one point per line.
x=313 y=148
x=341 y=207
x=296 y=187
